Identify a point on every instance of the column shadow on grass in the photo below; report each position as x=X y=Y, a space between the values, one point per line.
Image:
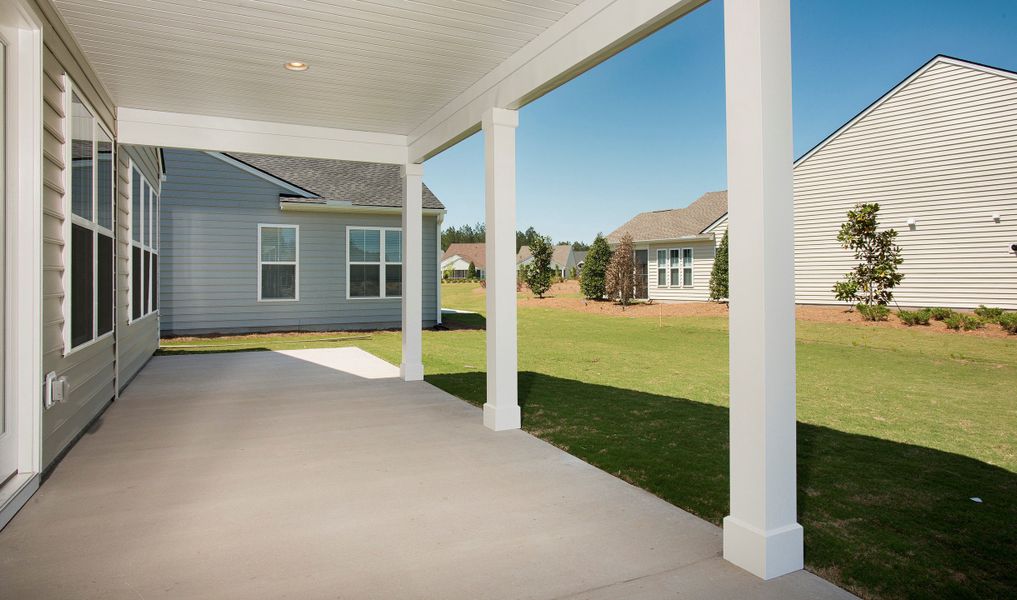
x=882 y=518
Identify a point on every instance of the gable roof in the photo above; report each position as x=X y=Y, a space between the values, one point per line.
x=559 y=256
x=936 y=60
x=359 y=183
x=580 y=255
x=674 y=223
x=475 y=253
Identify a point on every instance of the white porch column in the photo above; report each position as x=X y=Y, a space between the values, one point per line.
x=502 y=408
x=412 y=367
x=761 y=535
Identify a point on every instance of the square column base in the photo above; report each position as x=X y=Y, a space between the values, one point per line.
x=765 y=554
x=500 y=419
x=411 y=371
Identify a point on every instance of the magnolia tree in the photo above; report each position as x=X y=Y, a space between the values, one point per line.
x=718 y=277
x=471 y=271
x=621 y=272
x=591 y=279
x=538 y=273
x=872 y=281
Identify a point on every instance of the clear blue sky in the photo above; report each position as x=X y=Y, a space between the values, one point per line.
x=645 y=130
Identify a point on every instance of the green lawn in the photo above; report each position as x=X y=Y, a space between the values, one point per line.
x=898 y=429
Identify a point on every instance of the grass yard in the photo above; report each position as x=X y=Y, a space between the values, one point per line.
x=898 y=430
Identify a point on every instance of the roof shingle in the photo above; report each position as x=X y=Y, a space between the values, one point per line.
x=360 y=183
x=475 y=253
x=674 y=223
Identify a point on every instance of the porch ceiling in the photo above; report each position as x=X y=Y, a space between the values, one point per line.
x=425 y=70
x=376 y=65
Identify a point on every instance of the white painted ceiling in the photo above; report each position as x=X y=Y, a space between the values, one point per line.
x=375 y=65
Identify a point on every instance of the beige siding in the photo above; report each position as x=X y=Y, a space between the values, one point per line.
x=703 y=252
x=90 y=370
x=138 y=340
x=942 y=149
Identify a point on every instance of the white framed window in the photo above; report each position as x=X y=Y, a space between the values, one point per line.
x=278 y=263
x=144 y=258
x=687 y=267
x=680 y=266
x=374 y=262
x=661 y=268
x=89 y=249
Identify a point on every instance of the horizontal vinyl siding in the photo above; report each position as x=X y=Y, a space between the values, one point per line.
x=209 y=264
x=941 y=150
x=703 y=253
x=137 y=341
x=90 y=370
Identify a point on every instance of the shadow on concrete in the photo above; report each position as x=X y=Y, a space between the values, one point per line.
x=882 y=518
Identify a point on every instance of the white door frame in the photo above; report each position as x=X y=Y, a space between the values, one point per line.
x=23 y=289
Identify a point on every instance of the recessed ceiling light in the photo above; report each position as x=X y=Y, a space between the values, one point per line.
x=296 y=66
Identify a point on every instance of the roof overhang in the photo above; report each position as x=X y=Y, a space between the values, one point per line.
x=429 y=88
x=684 y=238
x=339 y=206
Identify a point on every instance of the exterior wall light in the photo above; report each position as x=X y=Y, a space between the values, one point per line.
x=296 y=66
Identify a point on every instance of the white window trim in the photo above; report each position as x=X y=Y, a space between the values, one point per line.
x=681 y=267
x=381 y=261
x=295 y=263
x=667 y=266
x=71 y=90
x=146 y=219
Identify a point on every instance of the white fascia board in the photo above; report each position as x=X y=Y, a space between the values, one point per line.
x=261 y=174
x=589 y=34
x=226 y=134
x=712 y=226
x=335 y=206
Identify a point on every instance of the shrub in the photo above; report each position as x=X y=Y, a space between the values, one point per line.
x=958 y=321
x=719 y=274
x=989 y=315
x=940 y=314
x=538 y=273
x=1008 y=321
x=874 y=312
x=620 y=281
x=914 y=317
x=591 y=280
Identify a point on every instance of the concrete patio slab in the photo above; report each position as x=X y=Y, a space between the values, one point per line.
x=318 y=474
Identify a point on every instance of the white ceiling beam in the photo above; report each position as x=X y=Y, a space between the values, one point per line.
x=224 y=134
x=591 y=33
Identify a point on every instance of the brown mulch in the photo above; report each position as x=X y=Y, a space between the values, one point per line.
x=566 y=296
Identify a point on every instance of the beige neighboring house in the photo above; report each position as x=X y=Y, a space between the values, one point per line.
x=675 y=248
x=938 y=153
x=563 y=259
x=457 y=259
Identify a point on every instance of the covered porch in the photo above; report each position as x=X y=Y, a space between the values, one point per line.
x=320 y=473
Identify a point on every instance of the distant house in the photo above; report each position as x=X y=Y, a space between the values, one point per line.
x=262 y=243
x=938 y=153
x=580 y=257
x=457 y=258
x=562 y=259
x=674 y=248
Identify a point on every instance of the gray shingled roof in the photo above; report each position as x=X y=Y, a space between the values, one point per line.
x=674 y=223
x=361 y=183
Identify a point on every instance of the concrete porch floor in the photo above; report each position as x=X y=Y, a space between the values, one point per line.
x=319 y=474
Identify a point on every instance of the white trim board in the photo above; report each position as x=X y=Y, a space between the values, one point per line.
x=227 y=134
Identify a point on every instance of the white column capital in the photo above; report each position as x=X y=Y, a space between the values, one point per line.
x=411 y=170
x=502 y=117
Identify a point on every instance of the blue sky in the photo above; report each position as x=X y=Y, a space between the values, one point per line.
x=645 y=130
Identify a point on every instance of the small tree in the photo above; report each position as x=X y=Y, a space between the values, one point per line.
x=538 y=272
x=718 y=277
x=471 y=271
x=591 y=280
x=621 y=272
x=872 y=281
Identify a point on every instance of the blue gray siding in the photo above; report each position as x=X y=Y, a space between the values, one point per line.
x=209 y=265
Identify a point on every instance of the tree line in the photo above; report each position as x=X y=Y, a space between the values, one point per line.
x=474 y=234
